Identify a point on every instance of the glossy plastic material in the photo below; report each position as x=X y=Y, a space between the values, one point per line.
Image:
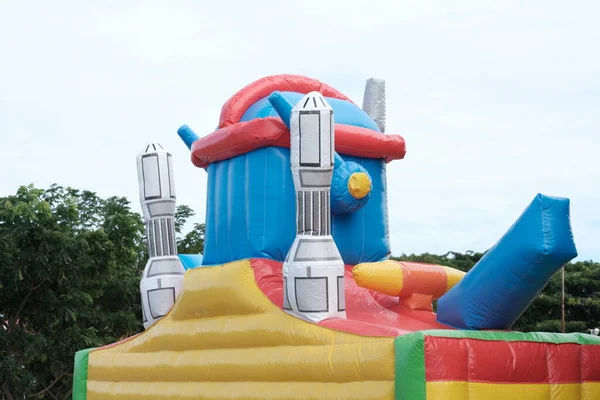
x=276 y=105
x=241 y=345
x=238 y=345
x=238 y=104
x=163 y=275
x=313 y=271
x=249 y=122
x=416 y=284
x=475 y=365
x=187 y=135
x=247 y=136
x=251 y=203
x=359 y=184
x=251 y=210
x=227 y=336
x=80 y=374
x=374 y=102
x=368 y=313
x=342 y=199
x=346 y=113
x=495 y=293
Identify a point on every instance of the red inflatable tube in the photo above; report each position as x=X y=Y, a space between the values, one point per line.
x=239 y=139
x=244 y=137
x=424 y=279
x=233 y=110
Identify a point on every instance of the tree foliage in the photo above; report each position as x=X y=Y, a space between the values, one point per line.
x=193 y=241
x=69 y=280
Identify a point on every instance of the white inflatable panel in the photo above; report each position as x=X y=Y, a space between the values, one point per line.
x=163 y=275
x=313 y=270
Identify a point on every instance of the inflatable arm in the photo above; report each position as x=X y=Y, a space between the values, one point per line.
x=351 y=184
x=187 y=135
x=500 y=287
x=416 y=284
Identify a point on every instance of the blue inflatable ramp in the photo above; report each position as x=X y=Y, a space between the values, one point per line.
x=500 y=287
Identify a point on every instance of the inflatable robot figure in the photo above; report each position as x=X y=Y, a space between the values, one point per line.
x=313 y=270
x=163 y=275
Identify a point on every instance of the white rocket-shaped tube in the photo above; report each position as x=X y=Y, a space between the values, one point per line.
x=163 y=275
x=313 y=270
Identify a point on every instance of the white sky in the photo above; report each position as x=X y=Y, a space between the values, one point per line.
x=496 y=102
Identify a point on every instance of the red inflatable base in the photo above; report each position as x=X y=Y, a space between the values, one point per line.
x=368 y=313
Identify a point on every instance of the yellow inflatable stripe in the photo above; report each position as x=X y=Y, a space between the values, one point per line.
x=460 y=390
x=222 y=291
x=228 y=311
x=236 y=331
x=333 y=363
x=224 y=339
x=240 y=390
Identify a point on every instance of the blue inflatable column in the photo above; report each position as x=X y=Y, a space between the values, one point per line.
x=187 y=135
x=500 y=287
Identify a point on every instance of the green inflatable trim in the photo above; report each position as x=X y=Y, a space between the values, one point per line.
x=410 y=367
x=80 y=374
x=410 y=382
x=542 y=337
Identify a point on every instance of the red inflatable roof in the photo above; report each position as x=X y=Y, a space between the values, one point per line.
x=233 y=110
x=234 y=138
x=247 y=136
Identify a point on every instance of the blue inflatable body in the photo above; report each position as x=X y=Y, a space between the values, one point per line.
x=345 y=112
x=251 y=201
x=495 y=293
x=190 y=260
x=251 y=209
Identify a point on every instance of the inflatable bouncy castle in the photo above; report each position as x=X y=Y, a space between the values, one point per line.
x=296 y=297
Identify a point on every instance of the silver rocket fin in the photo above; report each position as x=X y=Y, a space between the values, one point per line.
x=374 y=103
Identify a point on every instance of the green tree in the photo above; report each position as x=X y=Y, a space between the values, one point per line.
x=582 y=301
x=69 y=280
x=193 y=241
